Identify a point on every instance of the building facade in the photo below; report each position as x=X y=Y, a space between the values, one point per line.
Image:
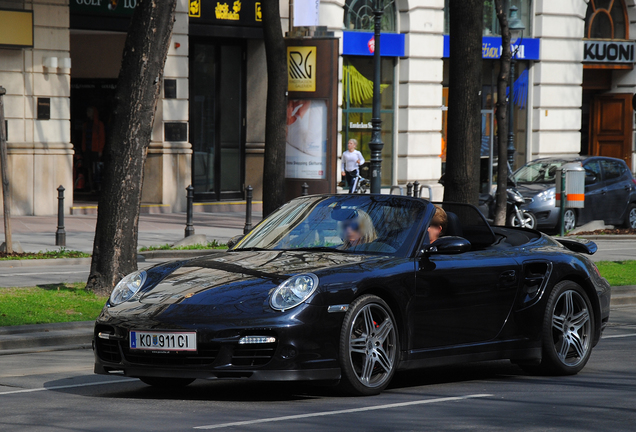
x=574 y=86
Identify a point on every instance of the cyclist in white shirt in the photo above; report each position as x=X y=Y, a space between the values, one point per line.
x=352 y=159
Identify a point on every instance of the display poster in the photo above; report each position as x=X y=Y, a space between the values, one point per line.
x=306 y=148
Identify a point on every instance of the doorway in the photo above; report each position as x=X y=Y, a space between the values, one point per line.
x=217 y=121
x=611 y=126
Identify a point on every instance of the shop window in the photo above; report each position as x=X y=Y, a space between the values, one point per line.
x=358 y=15
x=606 y=19
x=491 y=23
x=357 y=109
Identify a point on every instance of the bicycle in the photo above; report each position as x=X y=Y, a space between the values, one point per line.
x=362 y=185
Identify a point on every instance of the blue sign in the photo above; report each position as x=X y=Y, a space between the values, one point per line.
x=491 y=48
x=363 y=44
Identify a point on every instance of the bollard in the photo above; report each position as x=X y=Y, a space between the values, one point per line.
x=417 y=193
x=409 y=189
x=248 y=209
x=189 y=229
x=60 y=234
x=304 y=189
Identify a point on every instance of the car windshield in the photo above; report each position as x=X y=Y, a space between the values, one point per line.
x=539 y=171
x=344 y=223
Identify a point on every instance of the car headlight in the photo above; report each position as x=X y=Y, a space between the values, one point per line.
x=546 y=195
x=293 y=291
x=127 y=287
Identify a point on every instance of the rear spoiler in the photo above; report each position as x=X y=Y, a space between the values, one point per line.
x=578 y=245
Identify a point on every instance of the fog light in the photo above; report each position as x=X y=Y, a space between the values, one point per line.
x=246 y=340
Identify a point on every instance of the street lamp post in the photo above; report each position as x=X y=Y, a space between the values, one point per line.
x=376 y=143
x=516 y=33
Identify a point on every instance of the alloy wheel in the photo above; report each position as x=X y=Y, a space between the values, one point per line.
x=571 y=328
x=373 y=345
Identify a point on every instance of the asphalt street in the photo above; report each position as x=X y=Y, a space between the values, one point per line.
x=57 y=391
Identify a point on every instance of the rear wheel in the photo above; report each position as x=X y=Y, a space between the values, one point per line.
x=166 y=382
x=630 y=218
x=568 y=329
x=368 y=346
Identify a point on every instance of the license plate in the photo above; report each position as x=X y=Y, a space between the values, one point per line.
x=163 y=341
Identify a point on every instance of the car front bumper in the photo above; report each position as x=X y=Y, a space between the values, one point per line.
x=306 y=348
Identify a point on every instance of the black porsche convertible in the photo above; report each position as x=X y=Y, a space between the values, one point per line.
x=350 y=289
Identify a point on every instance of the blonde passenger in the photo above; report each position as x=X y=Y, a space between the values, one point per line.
x=358 y=231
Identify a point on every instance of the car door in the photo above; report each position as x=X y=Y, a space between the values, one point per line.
x=618 y=186
x=594 y=192
x=464 y=298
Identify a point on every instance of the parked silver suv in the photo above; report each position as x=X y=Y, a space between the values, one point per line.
x=610 y=191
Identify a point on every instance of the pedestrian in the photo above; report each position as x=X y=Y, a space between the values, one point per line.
x=352 y=159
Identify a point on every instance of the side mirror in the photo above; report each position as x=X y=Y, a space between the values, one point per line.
x=234 y=240
x=590 y=179
x=447 y=246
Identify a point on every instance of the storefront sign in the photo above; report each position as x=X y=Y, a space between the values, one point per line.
x=226 y=12
x=597 y=51
x=103 y=7
x=301 y=68
x=363 y=43
x=491 y=48
x=16 y=28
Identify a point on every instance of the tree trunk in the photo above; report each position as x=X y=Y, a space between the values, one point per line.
x=276 y=115
x=502 y=114
x=461 y=182
x=138 y=86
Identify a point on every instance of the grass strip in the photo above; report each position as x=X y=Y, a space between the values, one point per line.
x=61 y=253
x=210 y=245
x=44 y=304
x=618 y=273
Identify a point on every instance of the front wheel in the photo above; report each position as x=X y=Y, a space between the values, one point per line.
x=569 y=220
x=528 y=220
x=368 y=346
x=568 y=329
x=630 y=218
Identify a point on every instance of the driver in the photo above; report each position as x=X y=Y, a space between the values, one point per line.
x=357 y=231
x=438 y=224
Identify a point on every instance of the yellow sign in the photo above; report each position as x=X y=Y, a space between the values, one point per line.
x=194 y=10
x=301 y=68
x=258 y=14
x=16 y=28
x=223 y=12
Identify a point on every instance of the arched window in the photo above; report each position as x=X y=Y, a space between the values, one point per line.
x=358 y=15
x=606 y=19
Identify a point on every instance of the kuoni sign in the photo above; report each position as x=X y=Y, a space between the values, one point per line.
x=597 y=51
x=491 y=48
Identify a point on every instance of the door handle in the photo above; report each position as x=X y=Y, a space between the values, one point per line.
x=603 y=192
x=508 y=275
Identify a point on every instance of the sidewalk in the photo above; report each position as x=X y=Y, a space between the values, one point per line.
x=37 y=233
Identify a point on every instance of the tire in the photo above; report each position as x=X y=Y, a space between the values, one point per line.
x=529 y=219
x=569 y=220
x=630 y=217
x=167 y=383
x=567 y=331
x=369 y=346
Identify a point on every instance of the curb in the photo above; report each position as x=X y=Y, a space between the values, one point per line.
x=44 y=262
x=617 y=237
x=141 y=257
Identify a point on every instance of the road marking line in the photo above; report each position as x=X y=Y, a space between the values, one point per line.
x=347 y=411
x=619 y=336
x=68 y=386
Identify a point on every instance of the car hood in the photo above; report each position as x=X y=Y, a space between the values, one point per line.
x=227 y=283
x=529 y=190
